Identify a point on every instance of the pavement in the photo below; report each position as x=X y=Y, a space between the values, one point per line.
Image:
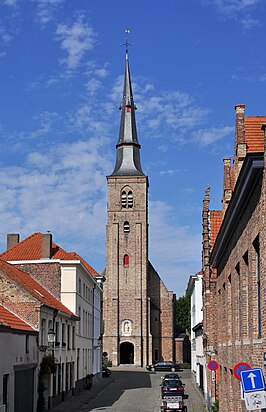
x=82 y=400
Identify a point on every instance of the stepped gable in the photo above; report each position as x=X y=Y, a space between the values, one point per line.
x=24 y=280
x=254 y=134
x=216 y=218
x=12 y=321
x=30 y=249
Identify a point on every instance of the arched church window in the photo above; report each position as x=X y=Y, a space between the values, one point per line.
x=127 y=199
x=126 y=260
x=130 y=199
x=124 y=199
x=126 y=227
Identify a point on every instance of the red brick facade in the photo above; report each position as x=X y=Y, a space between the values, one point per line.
x=235 y=268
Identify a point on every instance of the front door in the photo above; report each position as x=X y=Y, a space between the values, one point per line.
x=127 y=353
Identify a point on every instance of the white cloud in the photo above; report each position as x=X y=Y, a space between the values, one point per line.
x=46 y=10
x=237 y=9
x=75 y=40
x=10 y=3
x=209 y=136
x=62 y=189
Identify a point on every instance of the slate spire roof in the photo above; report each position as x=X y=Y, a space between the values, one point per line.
x=128 y=147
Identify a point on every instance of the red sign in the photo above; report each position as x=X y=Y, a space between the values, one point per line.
x=239 y=367
x=213 y=365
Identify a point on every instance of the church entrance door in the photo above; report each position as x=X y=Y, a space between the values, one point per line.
x=126 y=353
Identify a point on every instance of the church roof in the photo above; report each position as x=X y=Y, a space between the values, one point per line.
x=128 y=147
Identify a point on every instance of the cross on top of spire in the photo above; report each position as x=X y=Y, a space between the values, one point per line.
x=127 y=44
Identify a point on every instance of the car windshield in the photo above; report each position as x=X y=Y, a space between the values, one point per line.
x=172 y=382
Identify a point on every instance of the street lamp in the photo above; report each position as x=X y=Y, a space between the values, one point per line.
x=51 y=337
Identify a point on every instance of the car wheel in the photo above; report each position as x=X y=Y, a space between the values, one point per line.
x=172 y=369
x=153 y=369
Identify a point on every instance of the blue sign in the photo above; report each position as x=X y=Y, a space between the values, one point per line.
x=252 y=380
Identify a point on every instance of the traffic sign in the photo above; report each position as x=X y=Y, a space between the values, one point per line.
x=213 y=365
x=239 y=367
x=252 y=380
x=255 y=400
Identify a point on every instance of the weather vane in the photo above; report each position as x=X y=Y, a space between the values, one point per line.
x=127 y=31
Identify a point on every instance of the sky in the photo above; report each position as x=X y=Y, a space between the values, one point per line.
x=61 y=81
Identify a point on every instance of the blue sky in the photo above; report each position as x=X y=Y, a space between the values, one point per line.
x=61 y=70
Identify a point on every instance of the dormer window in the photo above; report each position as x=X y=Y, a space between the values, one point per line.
x=126 y=227
x=127 y=199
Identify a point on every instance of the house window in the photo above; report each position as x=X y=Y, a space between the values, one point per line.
x=57 y=341
x=5 y=389
x=256 y=245
x=63 y=335
x=126 y=227
x=68 y=337
x=27 y=343
x=43 y=332
x=126 y=260
x=79 y=315
x=79 y=286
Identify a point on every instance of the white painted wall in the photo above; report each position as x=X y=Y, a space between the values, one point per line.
x=82 y=295
x=13 y=353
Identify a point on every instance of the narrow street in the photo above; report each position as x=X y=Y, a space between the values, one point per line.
x=130 y=390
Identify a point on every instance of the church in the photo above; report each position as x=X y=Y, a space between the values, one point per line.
x=138 y=310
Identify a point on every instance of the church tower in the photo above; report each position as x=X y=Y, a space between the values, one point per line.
x=126 y=304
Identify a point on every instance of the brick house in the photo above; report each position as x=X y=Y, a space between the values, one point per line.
x=138 y=308
x=234 y=264
x=32 y=303
x=75 y=283
x=18 y=364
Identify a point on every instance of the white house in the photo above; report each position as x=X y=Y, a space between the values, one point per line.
x=76 y=284
x=198 y=363
x=18 y=363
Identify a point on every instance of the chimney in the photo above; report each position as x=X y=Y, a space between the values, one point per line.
x=12 y=240
x=46 y=246
x=240 y=139
x=227 y=189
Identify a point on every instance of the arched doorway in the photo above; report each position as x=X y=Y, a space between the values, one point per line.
x=127 y=353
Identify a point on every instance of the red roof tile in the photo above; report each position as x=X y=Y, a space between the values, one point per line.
x=30 y=249
x=24 y=280
x=254 y=134
x=216 y=218
x=8 y=318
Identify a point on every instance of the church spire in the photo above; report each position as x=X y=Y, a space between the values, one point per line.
x=128 y=147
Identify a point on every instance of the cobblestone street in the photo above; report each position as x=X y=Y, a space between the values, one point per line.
x=132 y=390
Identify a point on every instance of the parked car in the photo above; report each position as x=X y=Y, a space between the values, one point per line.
x=164 y=366
x=172 y=387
